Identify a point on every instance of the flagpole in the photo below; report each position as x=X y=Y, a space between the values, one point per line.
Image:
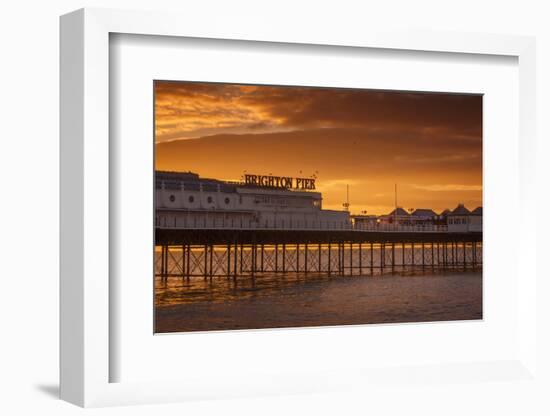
x=395 y=210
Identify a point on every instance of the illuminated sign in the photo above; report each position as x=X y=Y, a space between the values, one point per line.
x=281 y=182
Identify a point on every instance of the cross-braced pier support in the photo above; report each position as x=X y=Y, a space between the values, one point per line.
x=233 y=260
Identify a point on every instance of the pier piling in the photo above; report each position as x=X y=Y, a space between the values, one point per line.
x=200 y=254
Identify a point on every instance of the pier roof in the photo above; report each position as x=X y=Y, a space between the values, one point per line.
x=460 y=210
x=477 y=211
x=399 y=211
x=191 y=181
x=424 y=212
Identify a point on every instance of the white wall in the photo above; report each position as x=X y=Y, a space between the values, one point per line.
x=296 y=210
x=456 y=223
x=476 y=223
x=29 y=227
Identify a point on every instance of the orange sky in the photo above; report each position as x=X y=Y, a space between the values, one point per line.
x=429 y=144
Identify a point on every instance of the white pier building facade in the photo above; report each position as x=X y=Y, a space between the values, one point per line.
x=185 y=200
x=463 y=220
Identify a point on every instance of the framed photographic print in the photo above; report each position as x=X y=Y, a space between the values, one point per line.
x=291 y=210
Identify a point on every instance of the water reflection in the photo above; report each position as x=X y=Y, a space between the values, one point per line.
x=178 y=290
x=276 y=301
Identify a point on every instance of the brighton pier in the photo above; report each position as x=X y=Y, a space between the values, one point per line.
x=209 y=228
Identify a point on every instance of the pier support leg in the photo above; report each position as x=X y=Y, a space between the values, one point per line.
x=339 y=258
x=166 y=263
x=343 y=273
x=182 y=261
x=351 y=259
x=188 y=273
x=433 y=260
x=211 y=272
x=371 y=259
x=161 y=271
x=241 y=261
x=205 y=261
x=162 y=255
x=228 y=270
x=360 y=260
x=464 y=254
x=453 y=255
x=329 y=258
x=262 y=258
x=305 y=258
x=423 y=262
x=253 y=253
x=235 y=261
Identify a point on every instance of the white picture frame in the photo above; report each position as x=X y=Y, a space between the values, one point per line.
x=85 y=211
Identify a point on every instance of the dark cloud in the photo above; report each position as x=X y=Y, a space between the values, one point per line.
x=299 y=107
x=347 y=108
x=430 y=144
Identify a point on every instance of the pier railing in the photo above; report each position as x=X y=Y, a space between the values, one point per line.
x=184 y=223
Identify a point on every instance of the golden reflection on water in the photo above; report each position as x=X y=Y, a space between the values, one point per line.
x=178 y=290
x=277 y=301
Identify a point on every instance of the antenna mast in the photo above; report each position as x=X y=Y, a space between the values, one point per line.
x=346 y=204
x=395 y=210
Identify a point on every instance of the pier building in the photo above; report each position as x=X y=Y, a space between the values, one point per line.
x=461 y=219
x=397 y=217
x=365 y=222
x=185 y=200
x=422 y=216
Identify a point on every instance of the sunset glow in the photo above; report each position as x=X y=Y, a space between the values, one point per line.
x=429 y=144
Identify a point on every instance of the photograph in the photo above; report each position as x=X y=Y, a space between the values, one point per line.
x=295 y=206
